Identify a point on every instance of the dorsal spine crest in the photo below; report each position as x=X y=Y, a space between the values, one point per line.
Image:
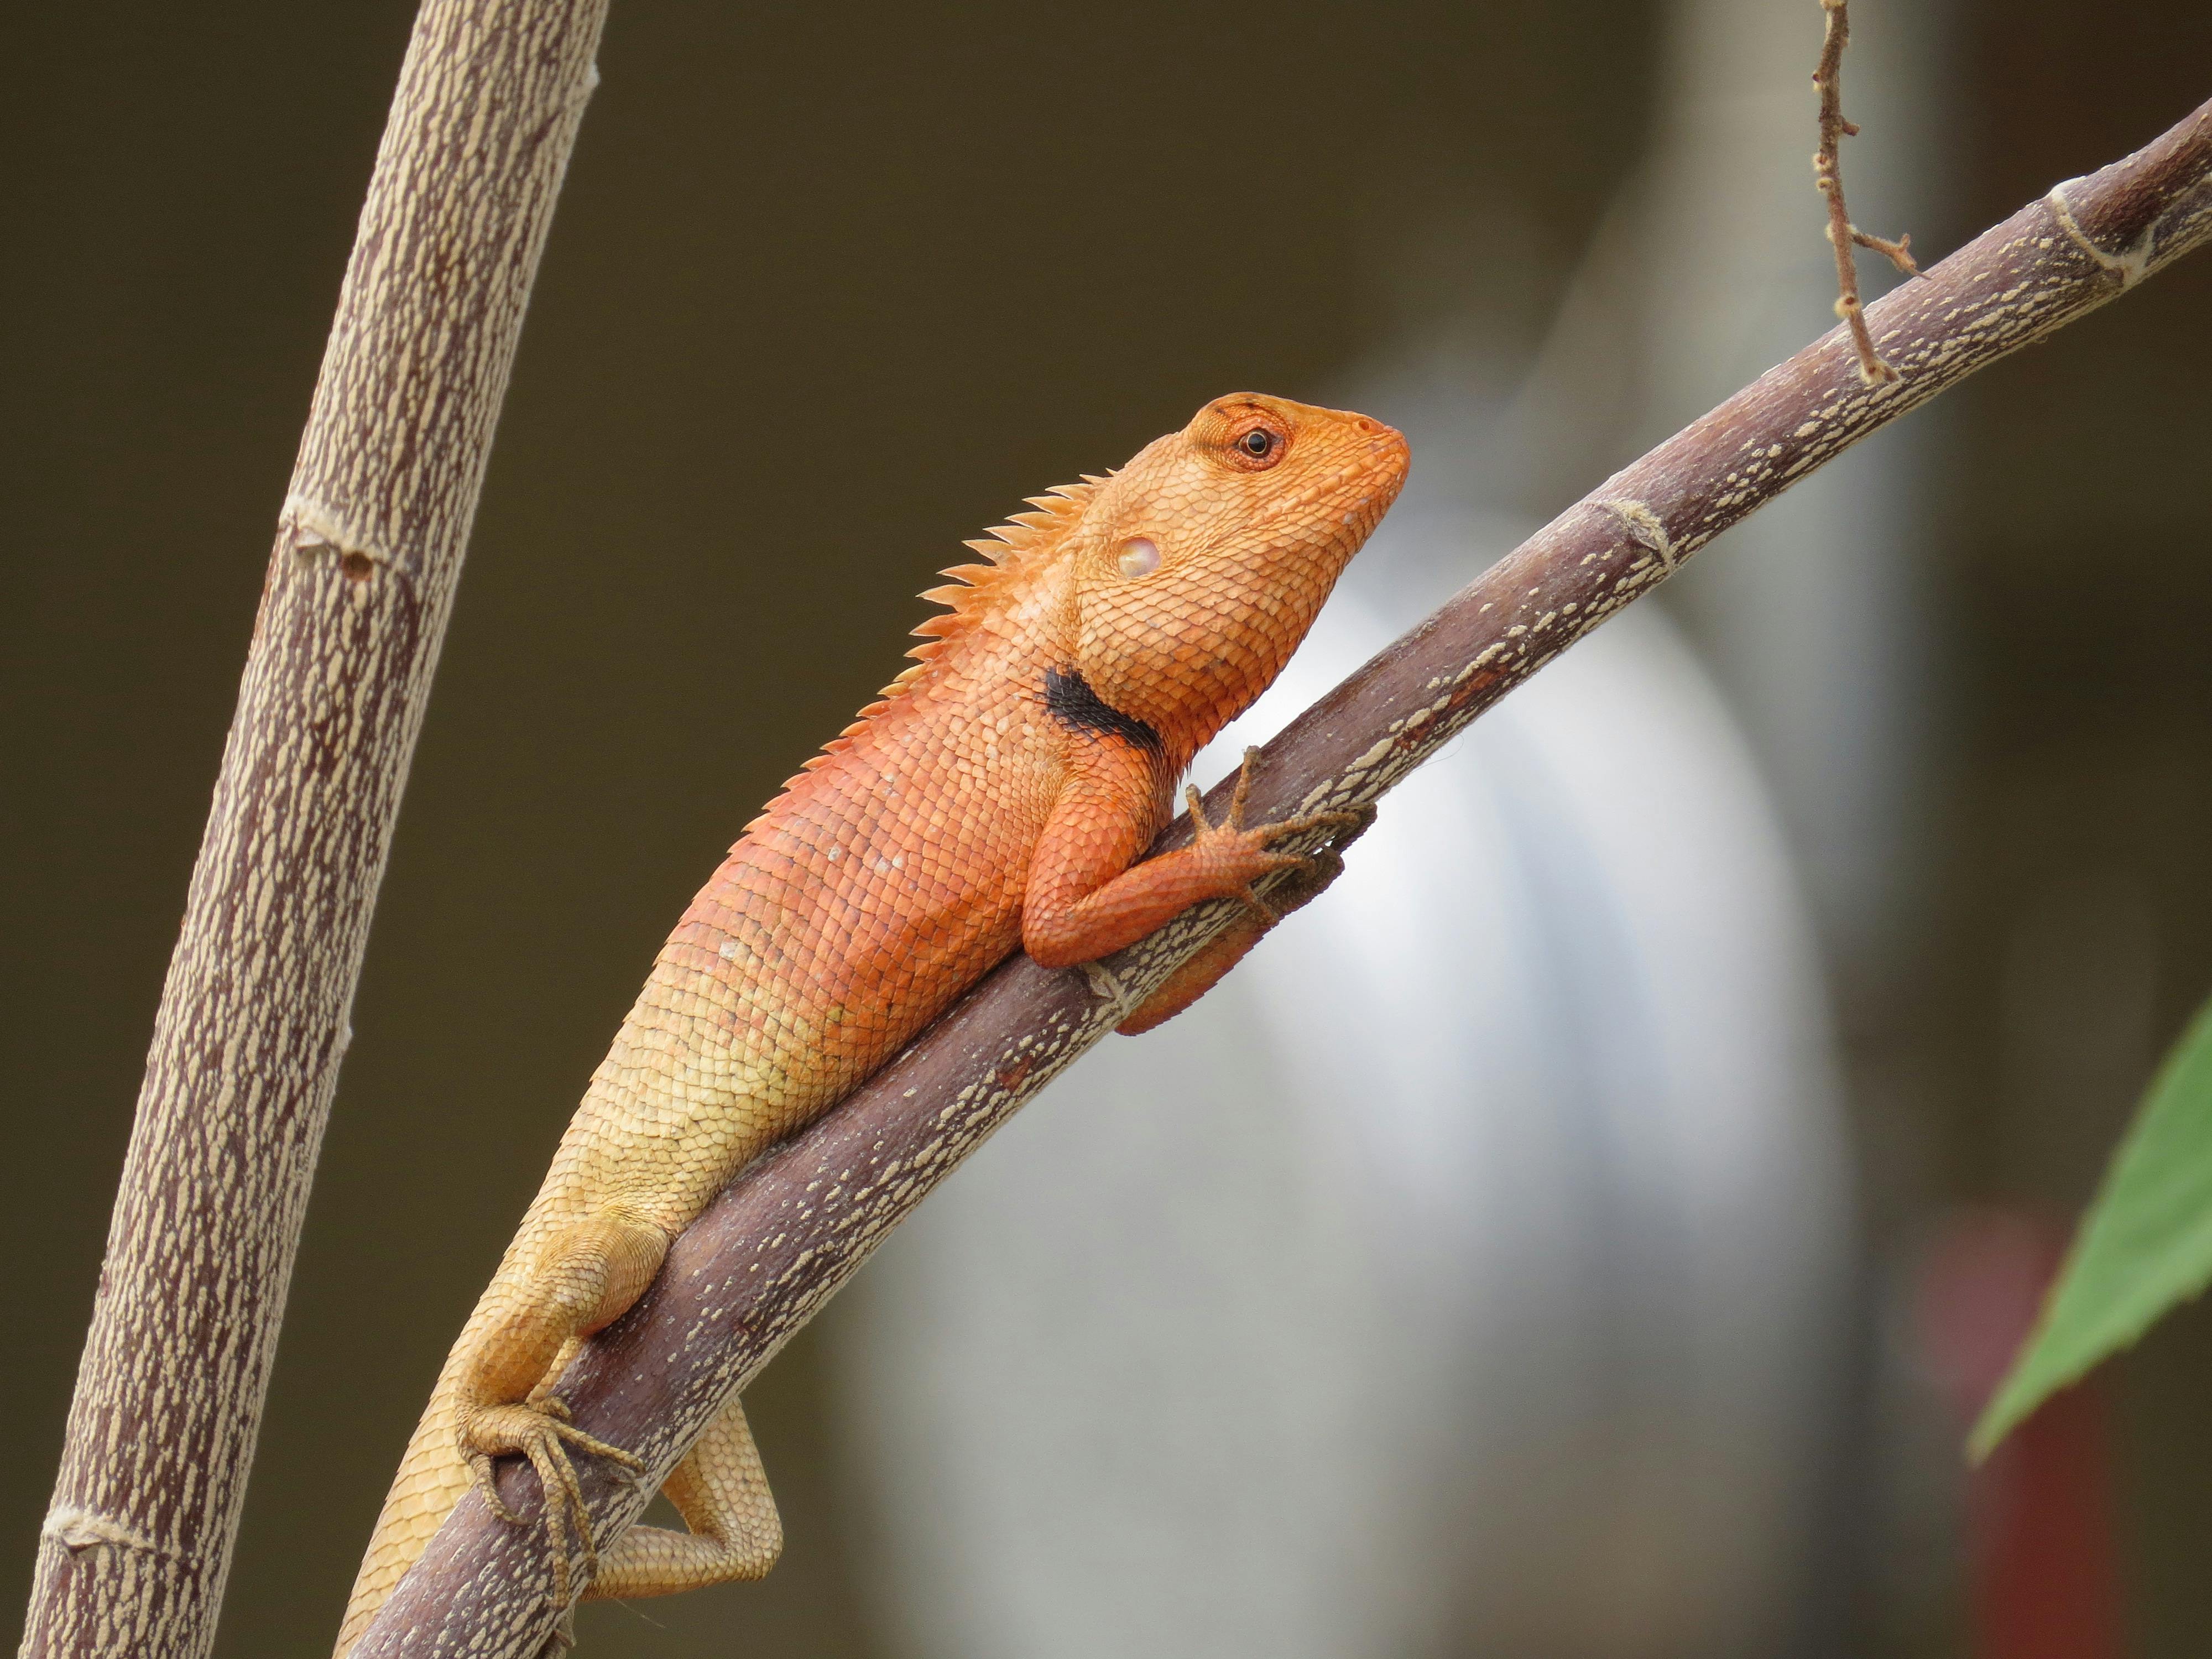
x=1015 y=549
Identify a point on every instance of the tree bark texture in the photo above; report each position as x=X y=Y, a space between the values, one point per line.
x=254 y=1019
x=793 y=1227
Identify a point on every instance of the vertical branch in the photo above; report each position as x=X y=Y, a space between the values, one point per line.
x=1828 y=179
x=254 y=1019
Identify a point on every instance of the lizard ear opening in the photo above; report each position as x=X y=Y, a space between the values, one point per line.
x=1140 y=556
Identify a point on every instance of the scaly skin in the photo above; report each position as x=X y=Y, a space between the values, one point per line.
x=998 y=795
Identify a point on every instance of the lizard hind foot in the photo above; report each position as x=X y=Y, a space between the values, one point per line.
x=544 y=1436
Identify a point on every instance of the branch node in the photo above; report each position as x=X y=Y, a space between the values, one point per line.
x=1108 y=989
x=2131 y=264
x=79 y=1530
x=1646 y=530
x=313 y=530
x=1898 y=253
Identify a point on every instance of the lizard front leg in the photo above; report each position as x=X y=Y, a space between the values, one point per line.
x=583 y=1277
x=721 y=1491
x=1229 y=947
x=1086 y=899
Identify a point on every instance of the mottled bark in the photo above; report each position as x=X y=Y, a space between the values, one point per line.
x=252 y=1021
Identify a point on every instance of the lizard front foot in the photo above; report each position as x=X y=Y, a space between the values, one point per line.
x=1249 y=853
x=540 y=1430
x=1312 y=874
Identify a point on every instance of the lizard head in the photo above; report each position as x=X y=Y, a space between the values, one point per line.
x=1199 y=565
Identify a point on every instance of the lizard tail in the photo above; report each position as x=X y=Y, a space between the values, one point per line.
x=433 y=1477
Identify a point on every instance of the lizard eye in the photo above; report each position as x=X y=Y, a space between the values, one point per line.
x=1257 y=448
x=1140 y=556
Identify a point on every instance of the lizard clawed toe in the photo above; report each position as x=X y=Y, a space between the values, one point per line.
x=552 y=1405
x=1358 y=819
x=1244 y=790
x=564 y=1503
x=1195 y=804
x=1259 y=906
x=541 y=1433
x=1326 y=820
x=480 y=1466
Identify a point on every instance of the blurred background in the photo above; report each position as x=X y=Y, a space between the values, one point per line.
x=1393 y=1302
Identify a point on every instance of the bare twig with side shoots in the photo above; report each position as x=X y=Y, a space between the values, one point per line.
x=254 y=1019
x=792 y=1228
x=1828 y=178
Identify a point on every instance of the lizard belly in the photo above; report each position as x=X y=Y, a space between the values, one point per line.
x=782 y=987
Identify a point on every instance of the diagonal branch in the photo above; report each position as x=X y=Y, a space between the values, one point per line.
x=790 y=1230
x=253 y=1019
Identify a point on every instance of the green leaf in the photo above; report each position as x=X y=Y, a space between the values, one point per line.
x=2145 y=1245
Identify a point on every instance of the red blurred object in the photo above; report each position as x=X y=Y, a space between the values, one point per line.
x=2043 y=1563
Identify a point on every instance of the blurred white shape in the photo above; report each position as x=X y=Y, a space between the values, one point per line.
x=1455 y=1278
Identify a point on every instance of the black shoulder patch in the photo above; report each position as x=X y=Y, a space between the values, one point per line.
x=1070 y=700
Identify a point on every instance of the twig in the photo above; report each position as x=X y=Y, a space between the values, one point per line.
x=795 y=1226
x=1828 y=178
x=253 y=1016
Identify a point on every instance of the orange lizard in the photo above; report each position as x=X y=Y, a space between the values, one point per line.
x=1002 y=792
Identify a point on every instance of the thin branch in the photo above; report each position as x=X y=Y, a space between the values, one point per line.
x=1828 y=179
x=253 y=1019
x=789 y=1230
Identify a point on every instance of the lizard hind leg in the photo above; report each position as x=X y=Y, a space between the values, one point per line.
x=581 y=1279
x=721 y=1491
